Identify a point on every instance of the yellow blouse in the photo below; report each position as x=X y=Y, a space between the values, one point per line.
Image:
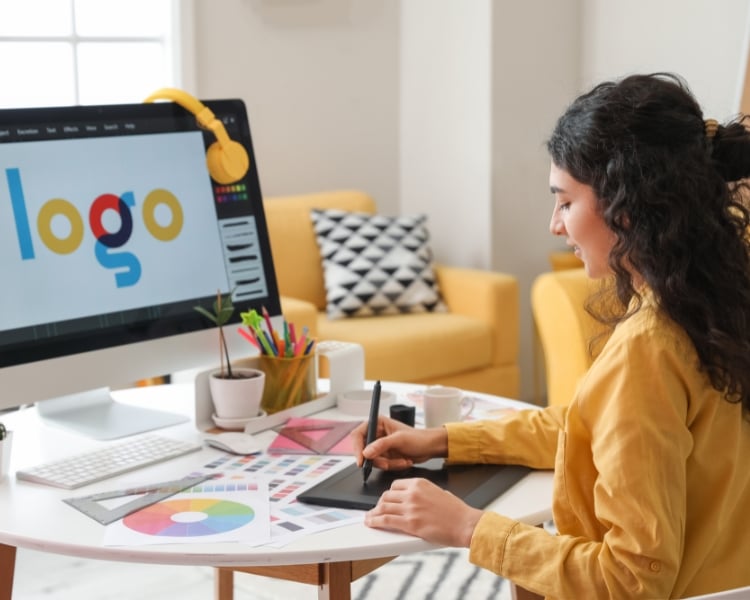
x=652 y=478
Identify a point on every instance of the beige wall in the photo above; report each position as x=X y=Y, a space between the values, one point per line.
x=443 y=106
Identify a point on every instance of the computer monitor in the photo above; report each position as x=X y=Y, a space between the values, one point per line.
x=111 y=232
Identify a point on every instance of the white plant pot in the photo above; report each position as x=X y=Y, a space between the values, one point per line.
x=237 y=398
x=6 y=445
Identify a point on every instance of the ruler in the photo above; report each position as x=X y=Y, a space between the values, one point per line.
x=147 y=495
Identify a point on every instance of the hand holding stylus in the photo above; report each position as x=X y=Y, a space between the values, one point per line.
x=372 y=427
x=394 y=446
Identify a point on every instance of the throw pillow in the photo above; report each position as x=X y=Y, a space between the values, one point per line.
x=375 y=265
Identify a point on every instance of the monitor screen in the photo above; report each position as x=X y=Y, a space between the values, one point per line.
x=111 y=232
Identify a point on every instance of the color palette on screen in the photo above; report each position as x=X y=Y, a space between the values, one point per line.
x=230 y=193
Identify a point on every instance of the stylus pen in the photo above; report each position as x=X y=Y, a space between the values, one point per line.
x=372 y=427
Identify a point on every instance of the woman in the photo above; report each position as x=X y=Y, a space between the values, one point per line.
x=651 y=487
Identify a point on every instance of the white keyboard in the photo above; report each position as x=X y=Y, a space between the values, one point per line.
x=102 y=463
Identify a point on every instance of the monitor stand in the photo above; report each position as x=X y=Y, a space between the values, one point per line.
x=95 y=414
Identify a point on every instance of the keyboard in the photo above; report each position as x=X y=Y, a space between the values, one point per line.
x=82 y=469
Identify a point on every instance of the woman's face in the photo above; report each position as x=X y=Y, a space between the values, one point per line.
x=577 y=218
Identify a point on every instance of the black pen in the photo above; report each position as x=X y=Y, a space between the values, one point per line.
x=372 y=427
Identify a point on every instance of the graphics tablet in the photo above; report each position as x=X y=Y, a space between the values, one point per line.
x=477 y=485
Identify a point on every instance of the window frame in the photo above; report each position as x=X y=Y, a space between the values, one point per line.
x=177 y=43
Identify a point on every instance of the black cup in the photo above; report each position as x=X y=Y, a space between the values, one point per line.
x=403 y=413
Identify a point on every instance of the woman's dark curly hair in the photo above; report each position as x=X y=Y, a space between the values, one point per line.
x=674 y=198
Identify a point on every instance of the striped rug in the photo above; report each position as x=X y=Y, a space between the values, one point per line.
x=444 y=574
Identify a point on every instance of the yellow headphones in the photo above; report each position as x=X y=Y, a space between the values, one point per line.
x=226 y=159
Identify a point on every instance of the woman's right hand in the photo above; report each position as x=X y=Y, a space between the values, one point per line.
x=398 y=446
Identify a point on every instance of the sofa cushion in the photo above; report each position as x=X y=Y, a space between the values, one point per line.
x=375 y=265
x=296 y=257
x=415 y=347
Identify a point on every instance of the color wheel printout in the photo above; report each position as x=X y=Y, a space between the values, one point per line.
x=250 y=500
x=226 y=509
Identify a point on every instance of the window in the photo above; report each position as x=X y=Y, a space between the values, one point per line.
x=61 y=52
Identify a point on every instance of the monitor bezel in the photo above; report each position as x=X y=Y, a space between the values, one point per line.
x=177 y=318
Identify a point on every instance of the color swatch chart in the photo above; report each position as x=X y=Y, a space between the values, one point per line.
x=296 y=519
x=287 y=476
x=228 y=509
x=307 y=469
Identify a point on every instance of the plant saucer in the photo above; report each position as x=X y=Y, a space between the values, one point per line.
x=237 y=424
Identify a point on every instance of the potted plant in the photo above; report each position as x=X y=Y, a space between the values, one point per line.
x=222 y=312
x=236 y=392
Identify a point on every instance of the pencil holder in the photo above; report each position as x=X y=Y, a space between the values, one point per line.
x=289 y=381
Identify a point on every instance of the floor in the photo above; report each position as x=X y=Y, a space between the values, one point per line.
x=440 y=575
x=42 y=576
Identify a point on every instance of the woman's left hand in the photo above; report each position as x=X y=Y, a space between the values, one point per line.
x=421 y=508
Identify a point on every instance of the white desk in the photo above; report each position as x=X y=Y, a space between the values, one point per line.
x=33 y=516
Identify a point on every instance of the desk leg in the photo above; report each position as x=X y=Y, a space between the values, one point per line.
x=332 y=579
x=7 y=569
x=223 y=584
x=336 y=581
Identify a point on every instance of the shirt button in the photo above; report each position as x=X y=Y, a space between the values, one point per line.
x=655 y=566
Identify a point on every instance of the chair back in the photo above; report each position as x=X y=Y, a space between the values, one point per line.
x=564 y=329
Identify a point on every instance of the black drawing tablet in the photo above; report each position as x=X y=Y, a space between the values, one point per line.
x=477 y=485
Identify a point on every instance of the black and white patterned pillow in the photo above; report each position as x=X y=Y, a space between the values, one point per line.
x=375 y=265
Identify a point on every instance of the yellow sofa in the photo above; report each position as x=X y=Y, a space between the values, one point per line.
x=564 y=329
x=474 y=346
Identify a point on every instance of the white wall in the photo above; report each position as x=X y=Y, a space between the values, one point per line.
x=446 y=125
x=319 y=78
x=536 y=72
x=702 y=40
x=443 y=106
x=479 y=94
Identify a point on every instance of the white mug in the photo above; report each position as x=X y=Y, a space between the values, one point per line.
x=444 y=405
